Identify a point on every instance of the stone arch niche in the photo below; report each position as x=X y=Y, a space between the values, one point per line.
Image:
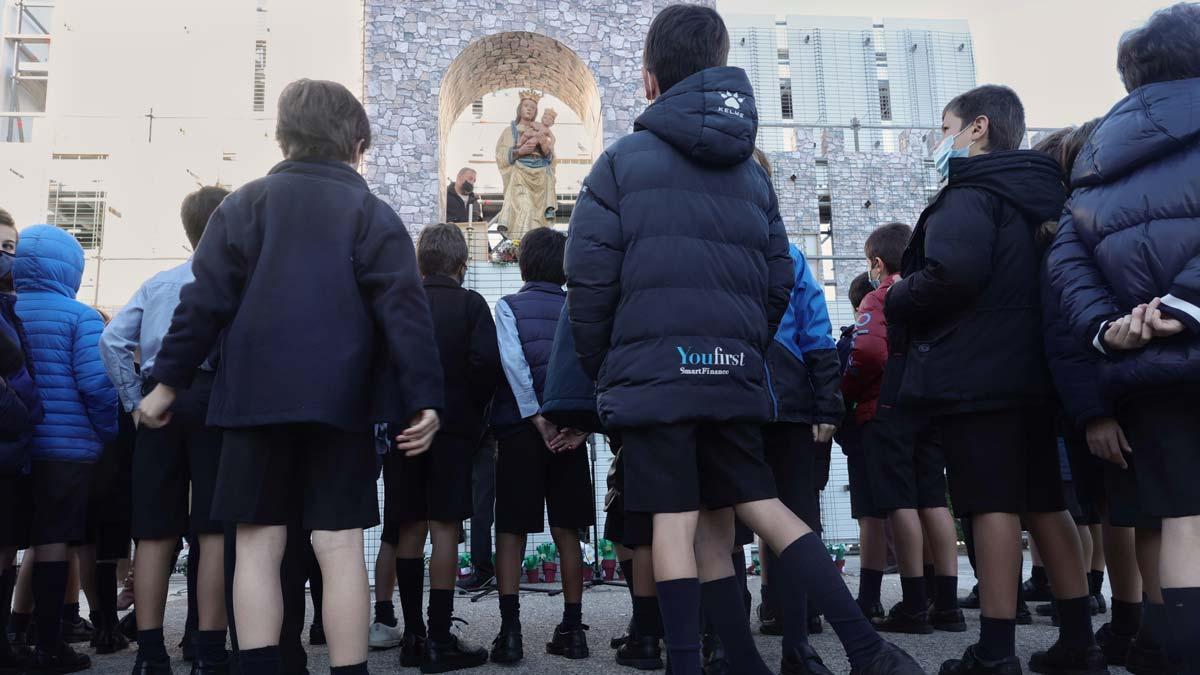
x=424 y=61
x=516 y=60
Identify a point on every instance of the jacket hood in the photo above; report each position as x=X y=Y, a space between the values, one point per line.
x=710 y=116
x=1151 y=122
x=48 y=259
x=1030 y=181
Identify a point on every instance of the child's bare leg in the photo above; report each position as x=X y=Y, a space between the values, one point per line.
x=257 y=598
x=345 y=609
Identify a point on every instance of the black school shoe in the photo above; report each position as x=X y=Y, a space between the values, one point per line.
x=569 y=643
x=1113 y=645
x=712 y=656
x=1061 y=659
x=1024 y=617
x=900 y=620
x=202 y=667
x=76 y=629
x=890 y=660
x=874 y=611
x=507 y=647
x=142 y=666
x=803 y=661
x=970 y=600
x=971 y=664
x=815 y=627
x=948 y=620
x=1032 y=592
x=412 y=650
x=1144 y=659
x=643 y=652
x=768 y=621
x=476 y=582
x=444 y=656
x=63 y=660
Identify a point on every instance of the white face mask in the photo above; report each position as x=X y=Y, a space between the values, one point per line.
x=946 y=151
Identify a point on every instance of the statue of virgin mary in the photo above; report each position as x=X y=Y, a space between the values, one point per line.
x=525 y=156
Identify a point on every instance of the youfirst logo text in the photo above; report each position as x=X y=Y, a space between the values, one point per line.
x=716 y=362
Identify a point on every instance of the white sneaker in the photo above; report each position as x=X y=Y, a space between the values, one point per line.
x=383 y=636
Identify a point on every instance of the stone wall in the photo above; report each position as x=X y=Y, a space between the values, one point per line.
x=426 y=60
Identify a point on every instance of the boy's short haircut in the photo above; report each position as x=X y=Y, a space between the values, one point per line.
x=1002 y=107
x=197 y=208
x=683 y=40
x=887 y=243
x=7 y=219
x=859 y=288
x=1166 y=48
x=319 y=119
x=441 y=250
x=541 y=256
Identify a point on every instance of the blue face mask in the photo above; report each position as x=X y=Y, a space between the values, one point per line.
x=946 y=151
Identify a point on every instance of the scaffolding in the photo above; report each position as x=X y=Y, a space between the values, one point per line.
x=25 y=26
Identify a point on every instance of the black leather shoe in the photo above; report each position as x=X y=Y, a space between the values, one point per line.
x=803 y=661
x=109 y=639
x=1144 y=659
x=412 y=650
x=643 y=652
x=948 y=620
x=142 y=666
x=1024 y=618
x=476 y=582
x=712 y=656
x=507 y=648
x=900 y=620
x=890 y=660
x=63 y=660
x=316 y=634
x=1031 y=592
x=203 y=667
x=444 y=656
x=76 y=629
x=569 y=643
x=815 y=627
x=1113 y=645
x=128 y=626
x=874 y=611
x=971 y=664
x=1061 y=659
x=971 y=600
x=768 y=621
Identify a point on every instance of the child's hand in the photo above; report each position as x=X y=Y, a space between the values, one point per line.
x=417 y=438
x=1106 y=440
x=568 y=439
x=548 y=431
x=155 y=409
x=1161 y=326
x=1130 y=331
x=823 y=433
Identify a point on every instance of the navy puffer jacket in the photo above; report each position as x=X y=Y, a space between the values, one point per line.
x=569 y=399
x=677 y=262
x=1131 y=232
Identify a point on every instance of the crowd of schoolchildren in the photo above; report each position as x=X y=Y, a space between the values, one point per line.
x=1026 y=356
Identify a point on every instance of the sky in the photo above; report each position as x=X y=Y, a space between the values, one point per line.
x=1059 y=55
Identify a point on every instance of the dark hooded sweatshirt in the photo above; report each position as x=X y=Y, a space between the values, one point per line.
x=965 y=325
x=677 y=262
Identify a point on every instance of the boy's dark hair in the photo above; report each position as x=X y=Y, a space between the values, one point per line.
x=684 y=39
x=887 y=243
x=1063 y=145
x=1166 y=48
x=541 y=256
x=197 y=208
x=1002 y=107
x=859 y=288
x=7 y=219
x=441 y=250
x=321 y=120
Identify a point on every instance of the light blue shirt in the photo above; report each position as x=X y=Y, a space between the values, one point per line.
x=140 y=326
x=512 y=357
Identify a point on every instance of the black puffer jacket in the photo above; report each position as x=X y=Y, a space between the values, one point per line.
x=966 y=315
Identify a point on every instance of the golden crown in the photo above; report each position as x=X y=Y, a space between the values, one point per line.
x=530 y=94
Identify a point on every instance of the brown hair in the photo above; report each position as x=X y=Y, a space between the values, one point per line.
x=319 y=119
x=441 y=250
x=761 y=158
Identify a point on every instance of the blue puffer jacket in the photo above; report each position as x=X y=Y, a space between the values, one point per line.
x=802 y=361
x=677 y=262
x=64 y=337
x=1131 y=232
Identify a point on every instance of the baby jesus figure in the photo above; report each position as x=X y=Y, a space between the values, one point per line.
x=537 y=136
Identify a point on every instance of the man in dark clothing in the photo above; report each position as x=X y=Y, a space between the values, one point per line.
x=307 y=244
x=678 y=275
x=433 y=491
x=1125 y=267
x=966 y=346
x=462 y=204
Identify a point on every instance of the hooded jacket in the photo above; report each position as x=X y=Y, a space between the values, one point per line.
x=677 y=262
x=965 y=318
x=20 y=402
x=1131 y=233
x=63 y=335
x=868 y=355
x=569 y=398
x=802 y=360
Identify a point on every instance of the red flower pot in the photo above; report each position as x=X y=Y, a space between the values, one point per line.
x=531 y=576
x=587 y=573
x=464 y=572
x=550 y=571
x=609 y=567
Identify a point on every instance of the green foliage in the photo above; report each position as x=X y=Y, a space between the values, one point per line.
x=532 y=562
